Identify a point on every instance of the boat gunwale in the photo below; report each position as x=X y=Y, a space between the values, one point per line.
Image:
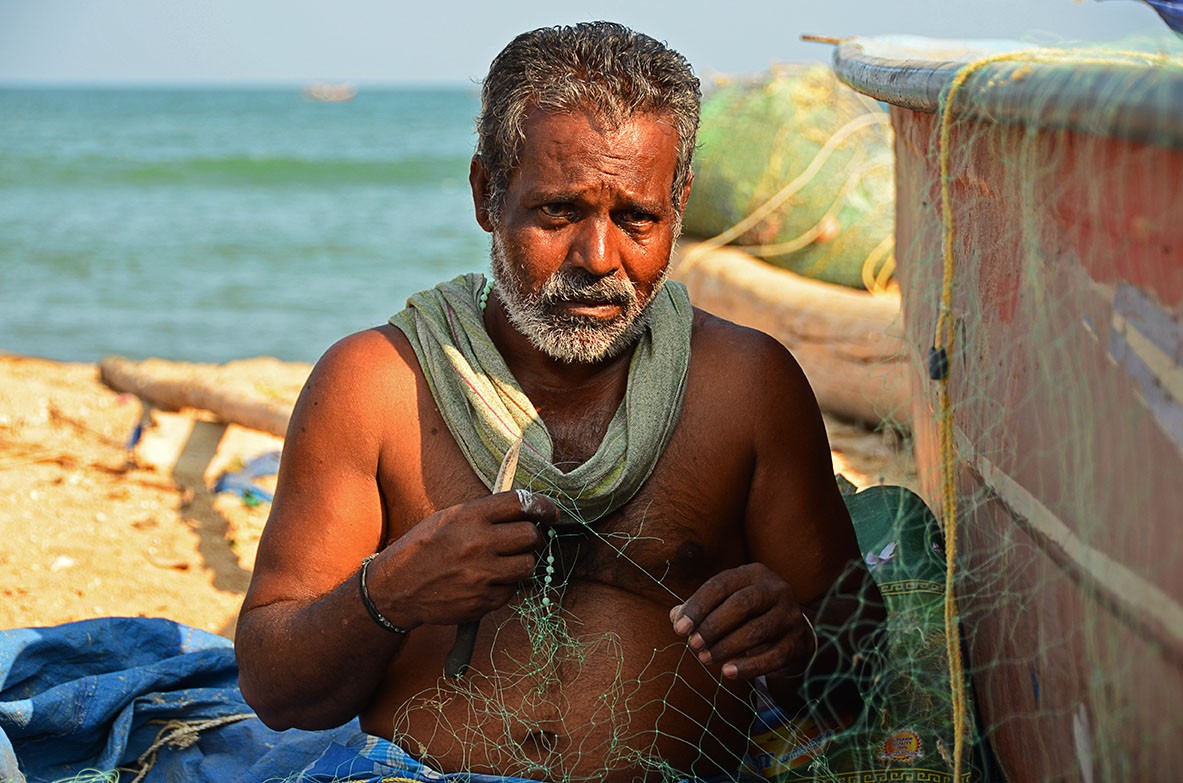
x=1016 y=92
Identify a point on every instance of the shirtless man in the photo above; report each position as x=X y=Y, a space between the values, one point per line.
x=626 y=649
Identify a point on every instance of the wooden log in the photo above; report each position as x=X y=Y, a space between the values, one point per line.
x=849 y=343
x=257 y=393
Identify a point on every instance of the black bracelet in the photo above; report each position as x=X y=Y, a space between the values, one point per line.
x=368 y=604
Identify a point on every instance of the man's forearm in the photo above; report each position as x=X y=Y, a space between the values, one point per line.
x=312 y=664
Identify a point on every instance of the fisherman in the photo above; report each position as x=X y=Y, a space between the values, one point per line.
x=674 y=536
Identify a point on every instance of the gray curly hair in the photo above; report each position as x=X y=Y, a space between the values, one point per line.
x=601 y=67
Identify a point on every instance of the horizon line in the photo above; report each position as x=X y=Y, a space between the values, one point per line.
x=244 y=84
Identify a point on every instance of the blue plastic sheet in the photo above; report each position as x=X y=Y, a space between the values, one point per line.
x=94 y=695
x=98 y=694
x=242 y=482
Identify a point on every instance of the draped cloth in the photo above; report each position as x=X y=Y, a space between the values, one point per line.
x=487 y=411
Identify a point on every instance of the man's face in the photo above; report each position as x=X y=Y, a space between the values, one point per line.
x=585 y=232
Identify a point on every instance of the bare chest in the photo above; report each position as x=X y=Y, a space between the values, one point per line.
x=684 y=525
x=548 y=671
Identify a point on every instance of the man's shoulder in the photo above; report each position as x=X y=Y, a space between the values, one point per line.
x=373 y=359
x=359 y=397
x=723 y=342
x=729 y=356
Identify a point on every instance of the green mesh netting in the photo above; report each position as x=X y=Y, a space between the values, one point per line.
x=796 y=168
x=906 y=731
x=907 y=728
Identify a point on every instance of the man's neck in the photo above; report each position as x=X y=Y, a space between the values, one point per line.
x=575 y=400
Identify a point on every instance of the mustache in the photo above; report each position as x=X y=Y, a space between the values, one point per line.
x=576 y=285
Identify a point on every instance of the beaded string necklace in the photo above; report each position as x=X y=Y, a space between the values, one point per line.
x=548 y=579
x=484 y=297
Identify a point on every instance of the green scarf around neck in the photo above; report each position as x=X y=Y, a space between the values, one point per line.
x=487 y=411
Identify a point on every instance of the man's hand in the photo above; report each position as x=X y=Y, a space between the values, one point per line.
x=462 y=562
x=748 y=620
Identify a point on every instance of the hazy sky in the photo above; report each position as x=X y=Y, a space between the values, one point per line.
x=436 y=41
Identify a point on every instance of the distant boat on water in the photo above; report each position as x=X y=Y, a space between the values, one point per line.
x=329 y=92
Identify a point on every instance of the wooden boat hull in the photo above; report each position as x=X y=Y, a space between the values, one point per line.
x=1067 y=395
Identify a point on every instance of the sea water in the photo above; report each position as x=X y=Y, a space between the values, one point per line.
x=208 y=225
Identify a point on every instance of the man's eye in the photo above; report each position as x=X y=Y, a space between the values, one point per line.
x=637 y=218
x=556 y=210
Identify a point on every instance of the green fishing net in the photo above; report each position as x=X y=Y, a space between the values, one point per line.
x=906 y=728
x=795 y=168
x=906 y=731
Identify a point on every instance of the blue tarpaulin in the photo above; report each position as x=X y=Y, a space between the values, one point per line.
x=101 y=694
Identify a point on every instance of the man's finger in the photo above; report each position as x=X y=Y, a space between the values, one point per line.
x=713 y=592
x=752 y=638
x=749 y=666
x=516 y=568
x=514 y=538
x=494 y=597
x=736 y=610
x=517 y=505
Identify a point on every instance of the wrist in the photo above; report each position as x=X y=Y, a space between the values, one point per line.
x=371 y=609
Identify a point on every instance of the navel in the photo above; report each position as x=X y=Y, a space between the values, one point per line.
x=541 y=740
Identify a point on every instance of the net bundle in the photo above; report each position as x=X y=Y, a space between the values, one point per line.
x=796 y=168
x=737 y=732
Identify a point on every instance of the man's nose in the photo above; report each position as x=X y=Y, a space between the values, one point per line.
x=594 y=249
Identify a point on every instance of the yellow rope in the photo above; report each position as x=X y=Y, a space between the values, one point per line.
x=877 y=283
x=943 y=341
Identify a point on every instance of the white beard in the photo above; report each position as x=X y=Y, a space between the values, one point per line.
x=562 y=336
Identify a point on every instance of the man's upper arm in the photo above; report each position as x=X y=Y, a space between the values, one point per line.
x=796 y=522
x=328 y=514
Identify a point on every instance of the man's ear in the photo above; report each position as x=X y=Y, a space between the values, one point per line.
x=686 y=190
x=478 y=180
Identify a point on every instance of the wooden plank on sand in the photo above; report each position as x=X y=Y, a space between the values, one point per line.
x=257 y=393
x=849 y=343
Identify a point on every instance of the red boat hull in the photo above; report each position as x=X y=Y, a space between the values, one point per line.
x=1066 y=387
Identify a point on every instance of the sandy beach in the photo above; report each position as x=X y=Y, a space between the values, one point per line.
x=92 y=529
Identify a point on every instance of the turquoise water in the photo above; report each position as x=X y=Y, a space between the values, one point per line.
x=210 y=225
